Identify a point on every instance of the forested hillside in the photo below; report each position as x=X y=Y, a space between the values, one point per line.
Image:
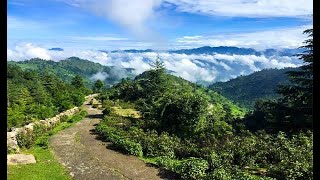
x=198 y=134
x=67 y=69
x=246 y=90
x=34 y=96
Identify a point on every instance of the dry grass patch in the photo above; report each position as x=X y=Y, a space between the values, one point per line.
x=127 y=112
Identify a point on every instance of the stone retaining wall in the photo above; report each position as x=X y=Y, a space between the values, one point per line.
x=49 y=122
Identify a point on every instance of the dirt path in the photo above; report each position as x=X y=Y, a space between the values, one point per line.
x=87 y=157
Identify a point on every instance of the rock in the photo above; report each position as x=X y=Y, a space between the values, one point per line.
x=30 y=126
x=12 y=141
x=17 y=130
x=43 y=122
x=14 y=159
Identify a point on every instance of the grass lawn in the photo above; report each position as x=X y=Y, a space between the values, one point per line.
x=46 y=167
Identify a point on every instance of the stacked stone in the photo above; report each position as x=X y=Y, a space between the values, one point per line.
x=49 y=123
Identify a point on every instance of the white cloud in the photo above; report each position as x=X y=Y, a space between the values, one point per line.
x=100 y=75
x=188 y=70
x=138 y=15
x=195 y=67
x=137 y=63
x=277 y=38
x=27 y=51
x=133 y=15
x=246 y=8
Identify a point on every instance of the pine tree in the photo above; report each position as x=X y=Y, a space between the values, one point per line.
x=156 y=82
x=297 y=97
x=98 y=85
x=158 y=65
x=292 y=112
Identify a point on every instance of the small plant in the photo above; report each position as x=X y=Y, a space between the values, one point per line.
x=43 y=141
x=74 y=118
x=168 y=163
x=107 y=111
x=39 y=129
x=25 y=139
x=106 y=103
x=10 y=150
x=63 y=118
x=128 y=146
x=193 y=168
x=83 y=112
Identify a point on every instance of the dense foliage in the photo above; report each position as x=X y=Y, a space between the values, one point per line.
x=293 y=112
x=246 y=90
x=34 y=96
x=198 y=134
x=232 y=155
x=172 y=104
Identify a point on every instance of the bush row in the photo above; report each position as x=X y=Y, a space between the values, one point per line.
x=119 y=141
x=246 y=156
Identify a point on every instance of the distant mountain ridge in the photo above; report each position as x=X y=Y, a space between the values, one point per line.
x=68 y=68
x=245 y=90
x=221 y=50
x=238 y=51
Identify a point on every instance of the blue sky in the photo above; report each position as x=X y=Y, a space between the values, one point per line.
x=83 y=27
x=140 y=24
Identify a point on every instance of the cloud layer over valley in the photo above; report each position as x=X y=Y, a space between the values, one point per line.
x=202 y=68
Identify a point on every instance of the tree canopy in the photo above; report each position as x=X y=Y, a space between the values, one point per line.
x=292 y=112
x=34 y=96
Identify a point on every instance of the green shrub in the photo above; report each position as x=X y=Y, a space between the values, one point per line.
x=119 y=140
x=125 y=105
x=243 y=175
x=43 y=141
x=25 y=139
x=187 y=149
x=116 y=120
x=214 y=160
x=167 y=163
x=107 y=132
x=83 y=113
x=75 y=118
x=166 y=145
x=10 y=150
x=153 y=144
x=220 y=173
x=39 y=129
x=107 y=111
x=128 y=146
x=193 y=168
x=107 y=103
